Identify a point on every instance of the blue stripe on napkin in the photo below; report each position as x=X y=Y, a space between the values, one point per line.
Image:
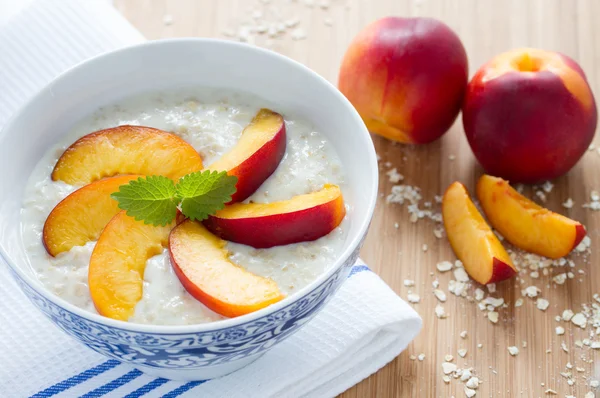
x=77 y=379
x=145 y=389
x=113 y=385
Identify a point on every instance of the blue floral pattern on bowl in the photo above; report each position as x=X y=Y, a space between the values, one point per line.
x=195 y=350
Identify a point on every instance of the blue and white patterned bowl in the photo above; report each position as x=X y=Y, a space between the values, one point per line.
x=194 y=352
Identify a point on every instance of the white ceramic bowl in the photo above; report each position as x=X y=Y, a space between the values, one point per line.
x=193 y=352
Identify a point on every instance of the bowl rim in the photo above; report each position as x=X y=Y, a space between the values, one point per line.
x=229 y=322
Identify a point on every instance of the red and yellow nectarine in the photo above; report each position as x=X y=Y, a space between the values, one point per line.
x=80 y=217
x=300 y=219
x=529 y=115
x=202 y=264
x=126 y=150
x=256 y=155
x=116 y=272
x=472 y=240
x=525 y=224
x=406 y=77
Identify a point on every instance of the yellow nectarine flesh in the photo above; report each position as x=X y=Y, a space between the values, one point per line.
x=126 y=150
x=80 y=217
x=202 y=264
x=472 y=240
x=117 y=265
x=526 y=224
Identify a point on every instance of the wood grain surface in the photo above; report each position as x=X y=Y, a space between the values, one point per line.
x=486 y=28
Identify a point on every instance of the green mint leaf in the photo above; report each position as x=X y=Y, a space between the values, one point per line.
x=205 y=192
x=150 y=199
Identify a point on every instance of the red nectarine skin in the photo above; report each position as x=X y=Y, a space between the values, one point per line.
x=300 y=219
x=501 y=271
x=259 y=165
x=406 y=77
x=532 y=125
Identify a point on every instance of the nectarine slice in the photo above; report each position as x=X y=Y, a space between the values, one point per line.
x=80 y=217
x=126 y=150
x=202 y=264
x=525 y=224
x=472 y=240
x=256 y=155
x=302 y=218
x=117 y=265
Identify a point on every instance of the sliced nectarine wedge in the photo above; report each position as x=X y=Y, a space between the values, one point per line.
x=525 y=224
x=472 y=240
x=80 y=217
x=256 y=155
x=300 y=219
x=126 y=150
x=202 y=264
x=117 y=265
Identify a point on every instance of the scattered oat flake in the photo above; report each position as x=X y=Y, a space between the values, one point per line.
x=168 y=19
x=448 y=367
x=579 y=320
x=448 y=358
x=394 y=176
x=590 y=394
x=479 y=345
x=532 y=291
x=560 y=330
x=519 y=302
x=495 y=302
x=425 y=247
x=567 y=315
x=461 y=275
x=440 y=312
x=298 y=34
x=469 y=392
x=479 y=294
x=491 y=287
x=560 y=278
x=413 y=298
x=595 y=345
x=493 y=316
x=462 y=352
x=451 y=157
x=446 y=379
x=465 y=375
x=473 y=382
x=412 y=357
x=594 y=383
x=444 y=266
x=564 y=347
x=409 y=282
x=568 y=203
x=513 y=350
x=421 y=357
x=550 y=392
x=438 y=232
x=463 y=334
x=542 y=304
x=440 y=295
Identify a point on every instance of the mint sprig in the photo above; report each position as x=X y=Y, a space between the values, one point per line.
x=155 y=199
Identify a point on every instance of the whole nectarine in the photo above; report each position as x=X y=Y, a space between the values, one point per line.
x=406 y=77
x=529 y=115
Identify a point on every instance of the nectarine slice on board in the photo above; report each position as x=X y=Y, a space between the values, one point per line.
x=117 y=265
x=299 y=219
x=126 y=150
x=80 y=217
x=526 y=224
x=472 y=240
x=202 y=264
x=256 y=155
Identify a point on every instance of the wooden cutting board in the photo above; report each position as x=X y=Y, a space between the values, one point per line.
x=486 y=28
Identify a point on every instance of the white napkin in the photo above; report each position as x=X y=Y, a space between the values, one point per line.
x=362 y=328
